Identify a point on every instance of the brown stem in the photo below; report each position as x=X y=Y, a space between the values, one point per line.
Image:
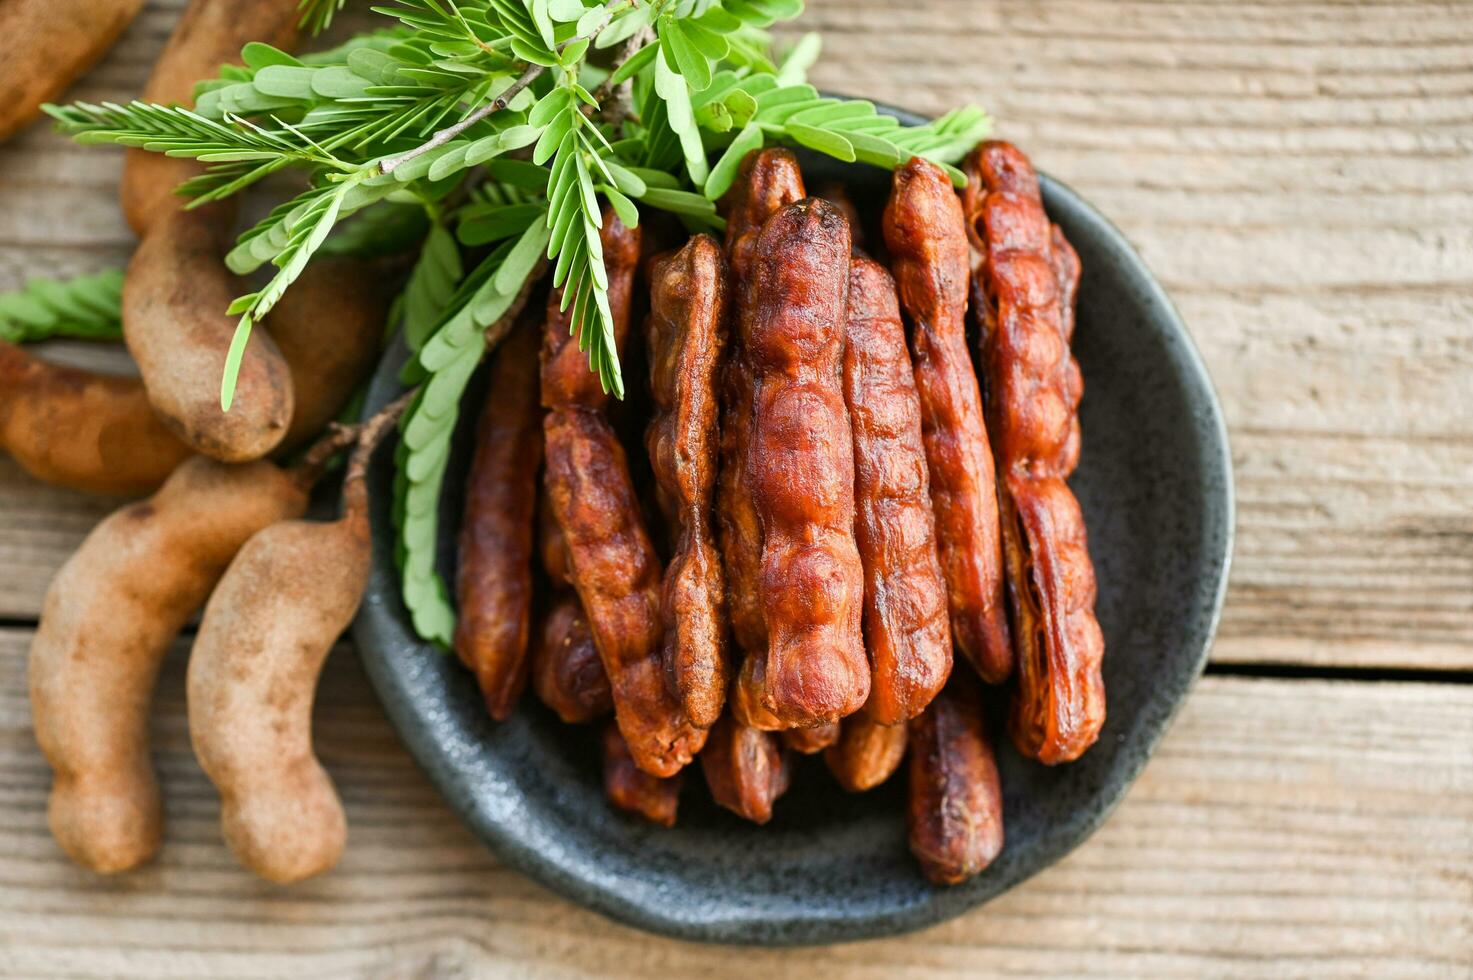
x=309 y=468
x=371 y=432
x=614 y=100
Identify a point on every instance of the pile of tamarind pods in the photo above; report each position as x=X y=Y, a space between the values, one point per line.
x=837 y=499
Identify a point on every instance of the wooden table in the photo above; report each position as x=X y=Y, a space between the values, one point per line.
x=1300 y=176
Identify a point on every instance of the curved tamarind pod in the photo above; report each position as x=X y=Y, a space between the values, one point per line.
x=800 y=466
x=210 y=33
x=567 y=673
x=954 y=811
x=687 y=340
x=494 y=580
x=927 y=238
x=746 y=769
x=1027 y=274
x=906 y=628
x=630 y=788
x=267 y=629
x=83 y=430
x=48 y=45
x=811 y=741
x=174 y=322
x=866 y=753
x=106 y=624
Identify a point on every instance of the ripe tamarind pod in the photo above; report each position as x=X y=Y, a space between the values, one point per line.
x=48 y=45
x=907 y=632
x=954 y=811
x=567 y=673
x=746 y=769
x=494 y=578
x=866 y=753
x=746 y=696
x=687 y=339
x=927 y=238
x=800 y=466
x=838 y=195
x=811 y=741
x=81 y=429
x=630 y=788
x=551 y=544
x=106 y=624
x=174 y=322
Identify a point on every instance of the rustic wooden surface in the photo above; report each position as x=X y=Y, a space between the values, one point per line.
x=1300 y=176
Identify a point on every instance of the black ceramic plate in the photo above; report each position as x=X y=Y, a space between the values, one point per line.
x=1156 y=487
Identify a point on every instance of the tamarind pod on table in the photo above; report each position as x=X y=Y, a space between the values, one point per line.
x=174 y=322
x=954 y=811
x=630 y=788
x=800 y=466
x=267 y=629
x=81 y=429
x=106 y=624
x=811 y=741
x=927 y=239
x=907 y=632
x=567 y=673
x=48 y=45
x=687 y=339
x=866 y=753
x=494 y=578
x=746 y=769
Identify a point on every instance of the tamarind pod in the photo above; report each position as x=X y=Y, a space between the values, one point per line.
x=81 y=429
x=954 y=811
x=768 y=180
x=907 y=632
x=746 y=696
x=866 y=753
x=174 y=299
x=494 y=579
x=614 y=568
x=566 y=380
x=927 y=239
x=746 y=769
x=630 y=788
x=800 y=466
x=567 y=673
x=838 y=195
x=48 y=45
x=267 y=629
x=1067 y=270
x=106 y=624
x=811 y=741
x=687 y=340
x=209 y=34
x=551 y=544
x=329 y=326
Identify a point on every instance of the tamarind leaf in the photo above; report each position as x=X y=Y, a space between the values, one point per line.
x=634 y=63
x=725 y=171
x=86 y=307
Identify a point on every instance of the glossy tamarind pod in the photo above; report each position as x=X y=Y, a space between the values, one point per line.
x=494 y=577
x=686 y=332
x=907 y=632
x=746 y=696
x=267 y=629
x=746 y=769
x=47 y=45
x=106 y=624
x=927 y=239
x=567 y=673
x=1034 y=384
x=954 y=811
x=866 y=752
x=800 y=466
x=81 y=429
x=811 y=741
x=630 y=788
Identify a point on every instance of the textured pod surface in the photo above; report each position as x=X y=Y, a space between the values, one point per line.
x=566 y=380
x=494 y=577
x=81 y=429
x=631 y=789
x=866 y=753
x=746 y=769
x=567 y=673
x=800 y=466
x=551 y=545
x=268 y=627
x=906 y=628
x=687 y=340
x=811 y=741
x=107 y=622
x=47 y=45
x=927 y=239
x=954 y=810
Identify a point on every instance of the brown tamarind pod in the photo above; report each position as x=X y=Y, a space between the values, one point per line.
x=811 y=741
x=746 y=695
x=746 y=769
x=551 y=544
x=954 y=812
x=106 y=624
x=567 y=673
x=866 y=752
x=630 y=788
x=494 y=579
x=81 y=429
x=47 y=45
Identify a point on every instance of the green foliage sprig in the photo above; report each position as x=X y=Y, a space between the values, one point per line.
x=87 y=307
